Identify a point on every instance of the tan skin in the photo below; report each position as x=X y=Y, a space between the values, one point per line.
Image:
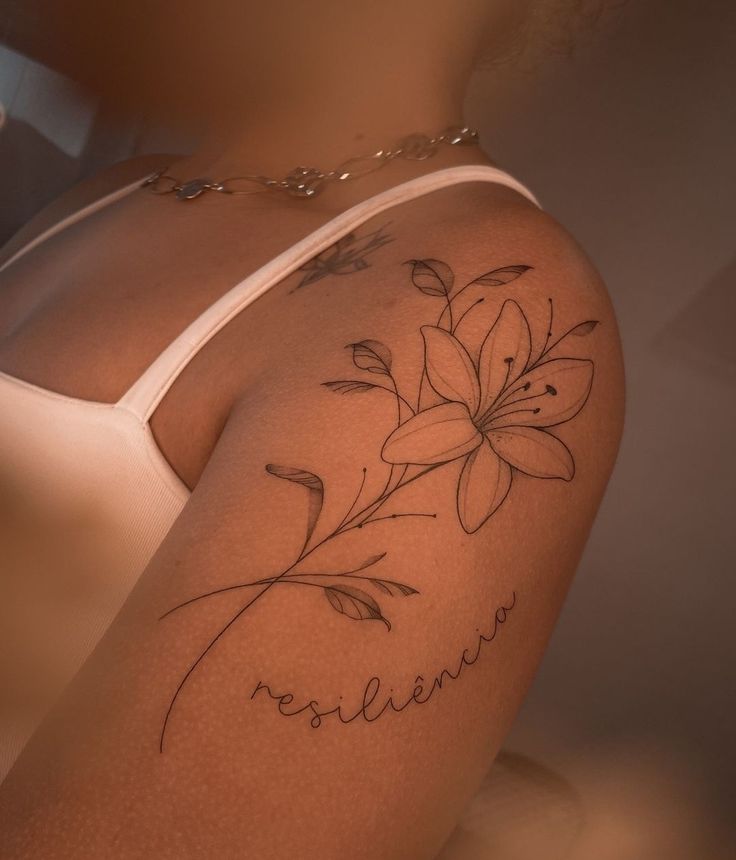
x=42 y=313
x=237 y=779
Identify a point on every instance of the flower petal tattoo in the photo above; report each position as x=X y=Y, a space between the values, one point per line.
x=492 y=413
x=494 y=416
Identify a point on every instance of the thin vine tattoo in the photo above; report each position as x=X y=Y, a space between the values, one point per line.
x=494 y=415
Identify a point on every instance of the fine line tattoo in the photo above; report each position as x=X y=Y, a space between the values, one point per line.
x=346 y=256
x=492 y=412
x=375 y=702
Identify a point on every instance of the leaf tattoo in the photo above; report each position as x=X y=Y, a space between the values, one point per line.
x=583 y=328
x=499 y=277
x=313 y=483
x=355 y=603
x=347 y=386
x=432 y=277
x=388 y=586
x=371 y=355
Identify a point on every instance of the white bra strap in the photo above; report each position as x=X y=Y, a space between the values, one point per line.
x=144 y=395
x=79 y=215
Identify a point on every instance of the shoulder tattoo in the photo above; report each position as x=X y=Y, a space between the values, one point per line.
x=493 y=408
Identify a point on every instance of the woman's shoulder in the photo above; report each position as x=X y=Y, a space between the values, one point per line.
x=482 y=220
x=492 y=250
x=82 y=194
x=466 y=248
x=466 y=278
x=482 y=242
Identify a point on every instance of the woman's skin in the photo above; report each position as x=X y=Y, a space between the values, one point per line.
x=238 y=777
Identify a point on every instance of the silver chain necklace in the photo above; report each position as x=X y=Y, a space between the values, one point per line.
x=309 y=181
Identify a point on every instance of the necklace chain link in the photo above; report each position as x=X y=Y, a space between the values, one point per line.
x=308 y=181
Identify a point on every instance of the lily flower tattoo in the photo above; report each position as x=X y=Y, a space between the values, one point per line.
x=494 y=414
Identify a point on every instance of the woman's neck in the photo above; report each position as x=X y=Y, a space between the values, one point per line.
x=323 y=128
x=317 y=132
x=319 y=95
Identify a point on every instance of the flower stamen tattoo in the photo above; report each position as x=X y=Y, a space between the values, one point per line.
x=490 y=409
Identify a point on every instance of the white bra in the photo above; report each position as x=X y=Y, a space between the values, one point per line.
x=99 y=462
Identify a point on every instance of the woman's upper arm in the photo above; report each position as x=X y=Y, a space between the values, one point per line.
x=327 y=650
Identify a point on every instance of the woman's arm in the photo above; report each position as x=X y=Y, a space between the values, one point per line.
x=327 y=650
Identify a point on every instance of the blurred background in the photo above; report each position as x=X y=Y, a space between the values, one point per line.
x=629 y=142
